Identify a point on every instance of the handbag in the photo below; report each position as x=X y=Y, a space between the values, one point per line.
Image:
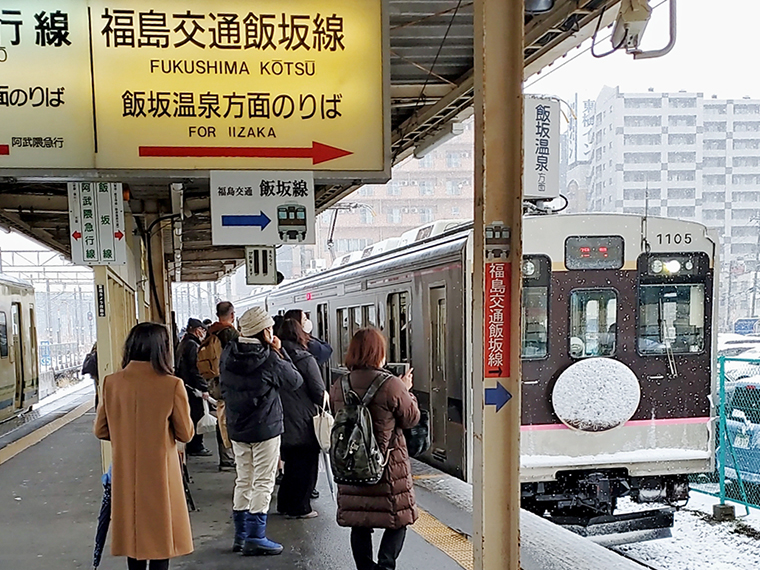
x=207 y=424
x=323 y=424
x=418 y=437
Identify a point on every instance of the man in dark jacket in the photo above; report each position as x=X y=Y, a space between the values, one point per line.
x=254 y=370
x=224 y=330
x=186 y=367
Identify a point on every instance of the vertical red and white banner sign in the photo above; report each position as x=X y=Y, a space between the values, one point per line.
x=497 y=333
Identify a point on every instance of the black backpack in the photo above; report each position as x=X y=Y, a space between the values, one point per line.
x=354 y=453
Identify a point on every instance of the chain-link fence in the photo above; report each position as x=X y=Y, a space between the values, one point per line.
x=737 y=475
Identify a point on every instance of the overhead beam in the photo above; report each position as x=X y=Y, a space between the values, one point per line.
x=213 y=254
x=58 y=204
x=13 y=221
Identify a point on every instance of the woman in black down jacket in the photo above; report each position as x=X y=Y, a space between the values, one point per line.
x=255 y=372
x=299 y=450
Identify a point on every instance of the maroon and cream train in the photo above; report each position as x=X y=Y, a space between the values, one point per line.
x=618 y=345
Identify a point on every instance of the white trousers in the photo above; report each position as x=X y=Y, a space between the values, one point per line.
x=256 y=465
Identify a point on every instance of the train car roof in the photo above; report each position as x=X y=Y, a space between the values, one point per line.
x=15 y=281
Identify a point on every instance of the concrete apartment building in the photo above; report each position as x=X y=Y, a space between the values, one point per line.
x=679 y=155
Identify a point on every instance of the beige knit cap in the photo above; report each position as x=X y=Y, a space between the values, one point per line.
x=254 y=321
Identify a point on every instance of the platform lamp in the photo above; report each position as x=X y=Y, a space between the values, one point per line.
x=538 y=6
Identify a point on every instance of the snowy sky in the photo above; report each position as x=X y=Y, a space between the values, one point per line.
x=715 y=54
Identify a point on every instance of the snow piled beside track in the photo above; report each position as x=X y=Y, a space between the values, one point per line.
x=699 y=543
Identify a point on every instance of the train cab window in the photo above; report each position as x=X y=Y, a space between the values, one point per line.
x=671 y=318
x=535 y=304
x=398 y=327
x=593 y=322
x=3 y=336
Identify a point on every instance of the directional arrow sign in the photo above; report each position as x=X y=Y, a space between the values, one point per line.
x=497 y=396
x=76 y=235
x=262 y=220
x=318 y=153
x=118 y=235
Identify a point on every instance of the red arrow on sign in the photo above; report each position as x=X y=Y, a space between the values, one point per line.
x=118 y=234
x=318 y=152
x=76 y=235
x=4 y=150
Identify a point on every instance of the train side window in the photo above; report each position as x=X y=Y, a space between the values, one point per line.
x=322 y=331
x=535 y=306
x=3 y=336
x=671 y=318
x=398 y=327
x=369 y=315
x=356 y=319
x=593 y=322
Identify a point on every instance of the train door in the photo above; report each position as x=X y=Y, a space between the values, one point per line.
x=438 y=386
x=18 y=353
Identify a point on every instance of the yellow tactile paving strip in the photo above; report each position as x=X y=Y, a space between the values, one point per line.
x=450 y=542
x=13 y=449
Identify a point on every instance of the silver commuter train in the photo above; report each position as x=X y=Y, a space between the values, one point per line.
x=601 y=292
x=19 y=379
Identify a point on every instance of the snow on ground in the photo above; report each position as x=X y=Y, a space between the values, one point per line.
x=699 y=543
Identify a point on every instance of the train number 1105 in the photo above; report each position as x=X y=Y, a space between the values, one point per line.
x=668 y=239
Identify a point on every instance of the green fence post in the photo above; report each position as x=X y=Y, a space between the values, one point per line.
x=722 y=429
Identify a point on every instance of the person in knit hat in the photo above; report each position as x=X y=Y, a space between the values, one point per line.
x=253 y=370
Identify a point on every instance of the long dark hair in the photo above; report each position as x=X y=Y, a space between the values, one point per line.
x=149 y=342
x=295 y=314
x=292 y=330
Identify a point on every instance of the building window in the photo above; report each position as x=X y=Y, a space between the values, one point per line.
x=713 y=215
x=682 y=139
x=427 y=161
x=455 y=211
x=681 y=212
x=454 y=187
x=713 y=179
x=682 y=157
x=682 y=193
x=740 y=248
x=713 y=197
x=427 y=187
x=642 y=140
x=745 y=197
x=367 y=217
x=715 y=109
x=714 y=162
x=744 y=144
x=745 y=179
x=715 y=127
x=745 y=161
x=642 y=176
x=642 y=157
x=682 y=120
x=394 y=216
x=642 y=103
x=453 y=160
x=682 y=103
x=393 y=188
x=633 y=210
x=681 y=175
x=746 y=109
x=426 y=215
x=366 y=190
x=715 y=145
x=746 y=126
x=643 y=121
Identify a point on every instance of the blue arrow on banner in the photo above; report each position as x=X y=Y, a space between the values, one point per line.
x=262 y=220
x=497 y=396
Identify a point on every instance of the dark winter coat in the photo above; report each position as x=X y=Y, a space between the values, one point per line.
x=320 y=350
x=186 y=367
x=225 y=333
x=252 y=377
x=390 y=503
x=90 y=365
x=300 y=406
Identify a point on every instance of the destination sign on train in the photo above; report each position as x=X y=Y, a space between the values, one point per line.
x=184 y=84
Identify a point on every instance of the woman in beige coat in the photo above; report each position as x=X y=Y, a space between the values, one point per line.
x=143 y=411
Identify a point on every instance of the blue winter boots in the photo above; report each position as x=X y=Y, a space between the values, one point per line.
x=256 y=541
x=238 y=517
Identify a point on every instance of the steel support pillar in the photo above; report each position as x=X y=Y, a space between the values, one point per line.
x=497 y=281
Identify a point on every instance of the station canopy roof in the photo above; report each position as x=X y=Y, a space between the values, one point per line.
x=432 y=84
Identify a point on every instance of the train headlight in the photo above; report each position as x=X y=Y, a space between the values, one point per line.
x=689 y=265
x=673 y=266
x=657 y=266
x=529 y=268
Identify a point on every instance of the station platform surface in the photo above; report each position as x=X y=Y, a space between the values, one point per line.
x=51 y=491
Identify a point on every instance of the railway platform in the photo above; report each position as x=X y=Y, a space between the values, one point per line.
x=50 y=488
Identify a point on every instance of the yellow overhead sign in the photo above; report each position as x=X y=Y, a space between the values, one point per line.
x=233 y=84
